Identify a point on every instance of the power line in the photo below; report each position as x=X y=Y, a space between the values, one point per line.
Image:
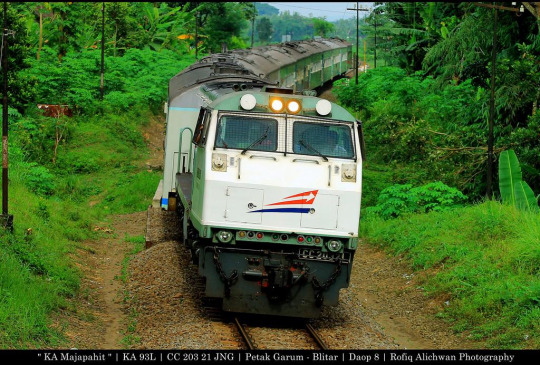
x=301 y=7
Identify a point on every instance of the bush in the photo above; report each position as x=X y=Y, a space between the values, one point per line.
x=484 y=258
x=139 y=77
x=38 y=178
x=398 y=199
x=409 y=120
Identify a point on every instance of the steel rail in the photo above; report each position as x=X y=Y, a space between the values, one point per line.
x=316 y=336
x=244 y=334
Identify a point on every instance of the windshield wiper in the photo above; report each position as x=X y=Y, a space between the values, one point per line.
x=312 y=149
x=261 y=138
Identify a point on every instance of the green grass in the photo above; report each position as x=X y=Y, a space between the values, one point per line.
x=98 y=173
x=36 y=274
x=25 y=303
x=486 y=256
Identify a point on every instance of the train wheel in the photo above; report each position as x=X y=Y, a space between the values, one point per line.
x=192 y=235
x=180 y=212
x=195 y=256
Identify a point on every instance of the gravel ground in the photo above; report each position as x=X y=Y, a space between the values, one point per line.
x=382 y=309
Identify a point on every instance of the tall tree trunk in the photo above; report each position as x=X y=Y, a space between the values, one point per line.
x=40 y=34
x=115 y=35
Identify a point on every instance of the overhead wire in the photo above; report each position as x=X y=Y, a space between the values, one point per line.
x=324 y=10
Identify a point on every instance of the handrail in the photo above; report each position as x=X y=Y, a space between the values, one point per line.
x=305 y=160
x=180 y=149
x=265 y=157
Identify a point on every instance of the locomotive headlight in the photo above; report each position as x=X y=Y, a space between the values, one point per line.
x=348 y=172
x=219 y=162
x=224 y=236
x=248 y=102
x=293 y=106
x=323 y=107
x=333 y=245
x=276 y=105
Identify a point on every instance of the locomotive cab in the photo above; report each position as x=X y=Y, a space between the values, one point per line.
x=271 y=205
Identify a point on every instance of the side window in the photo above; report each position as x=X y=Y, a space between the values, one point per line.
x=362 y=141
x=199 y=135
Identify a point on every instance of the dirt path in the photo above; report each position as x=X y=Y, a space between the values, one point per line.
x=99 y=319
x=393 y=296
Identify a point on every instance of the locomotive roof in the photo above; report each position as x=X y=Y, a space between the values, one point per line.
x=253 y=64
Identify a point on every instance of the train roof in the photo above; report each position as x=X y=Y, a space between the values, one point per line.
x=253 y=65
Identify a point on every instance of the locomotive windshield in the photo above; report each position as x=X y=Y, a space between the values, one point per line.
x=309 y=137
x=325 y=140
x=241 y=132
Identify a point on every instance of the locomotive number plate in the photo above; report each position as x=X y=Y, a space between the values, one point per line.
x=314 y=254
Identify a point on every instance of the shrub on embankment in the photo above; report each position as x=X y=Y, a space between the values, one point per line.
x=486 y=257
x=69 y=173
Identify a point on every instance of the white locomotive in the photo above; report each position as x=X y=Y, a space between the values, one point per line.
x=267 y=184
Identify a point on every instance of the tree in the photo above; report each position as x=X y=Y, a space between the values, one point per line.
x=264 y=29
x=321 y=27
x=223 y=23
x=117 y=16
x=160 y=26
x=266 y=9
x=298 y=26
x=20 y=90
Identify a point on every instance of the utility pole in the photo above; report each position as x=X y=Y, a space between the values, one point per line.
x=196 y=35
x=375 y=49
x=252 y=29
x=490 y=142
x=358 y=10
x=489 y=190
x=102 y=50
x=365 y=69
x=6 y=219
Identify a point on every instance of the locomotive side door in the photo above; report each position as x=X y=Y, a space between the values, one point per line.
x=200 y=136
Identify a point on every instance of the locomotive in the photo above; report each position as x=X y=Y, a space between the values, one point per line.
x=265 y=177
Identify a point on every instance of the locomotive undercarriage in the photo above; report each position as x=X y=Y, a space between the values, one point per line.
x=269 y=279
x=271 y=282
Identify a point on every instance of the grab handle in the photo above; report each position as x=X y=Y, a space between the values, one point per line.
x=305 y=160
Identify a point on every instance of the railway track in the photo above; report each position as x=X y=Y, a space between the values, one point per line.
x=303 y=336
x=253 y=332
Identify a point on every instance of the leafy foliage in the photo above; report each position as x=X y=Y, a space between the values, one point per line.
x=509 y=175
x=525 y=198
x=321 y=27
x=264 y=29
x=399 y=199
x=39 y=179
x=484 y=258
x=425 y=120
x=437 y=131
x=19 y=88
x=122 y=89
x=514 y=190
